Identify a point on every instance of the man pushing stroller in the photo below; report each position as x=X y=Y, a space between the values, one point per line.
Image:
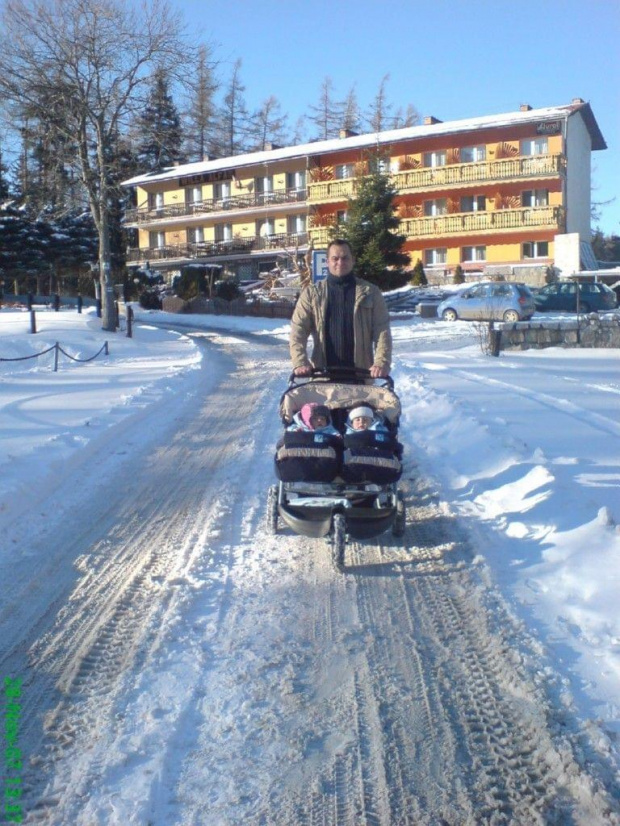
x=346 y=317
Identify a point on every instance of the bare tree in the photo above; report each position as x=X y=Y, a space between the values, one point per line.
x=268 y=125
x=351 y=116
x=232 y=125
x=378 y=116
x=88 y=60
x=327 y=114
x=199 y=118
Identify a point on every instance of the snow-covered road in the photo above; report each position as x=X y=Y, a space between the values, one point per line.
x=193 y=669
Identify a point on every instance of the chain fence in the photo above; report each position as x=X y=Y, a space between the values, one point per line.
x=57 y=349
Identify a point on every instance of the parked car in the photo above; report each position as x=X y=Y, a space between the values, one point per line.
x=495 y=301
x=562 y=295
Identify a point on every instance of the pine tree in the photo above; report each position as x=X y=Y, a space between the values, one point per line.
x=351 y=115
x=371 y=228
x=378 y=115
x=159 y=126
x=418 y=276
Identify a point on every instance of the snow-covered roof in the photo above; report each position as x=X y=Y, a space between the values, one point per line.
x=377 y=138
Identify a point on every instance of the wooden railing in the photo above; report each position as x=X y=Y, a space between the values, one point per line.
x=467 y=223
x=144 y=215
x=210 y=249
x=438 y=177
x=463 y=223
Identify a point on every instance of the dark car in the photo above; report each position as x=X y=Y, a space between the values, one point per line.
x=493 y=301
x=562 y=296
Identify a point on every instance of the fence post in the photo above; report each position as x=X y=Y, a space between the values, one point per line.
x=495 y=337
x=56 y=302
x=106 y=350
x=129 y=321
x=33 y=322
x=79 y=304
x=56 y=346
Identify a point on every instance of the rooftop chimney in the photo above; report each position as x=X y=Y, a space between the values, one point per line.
x=269 y=145
x=525 y=107
x=578 y=100
x=429 y=120
x=348 y=133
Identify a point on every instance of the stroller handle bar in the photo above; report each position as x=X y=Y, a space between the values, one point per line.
x=346 y=375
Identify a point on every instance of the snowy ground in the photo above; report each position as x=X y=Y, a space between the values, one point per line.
x=522 y=451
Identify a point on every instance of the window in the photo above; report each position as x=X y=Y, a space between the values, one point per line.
x=534 y=146
x=266 y=227
x=435 y=256
x=435 y=158
x=264 y=189
x=474 y=254
x=221 y=192
x=437 y=207
x=535 y=197
x=296 y=180
x=223 y=232
x=156 y=200
x=195 y=235
x=344 y=170
x=341 y=216
x=472 y=154
x=157 y=240
x=295 y=224
x=193 y=195
x=536 y=249
x=473 y=203
x=379 y=165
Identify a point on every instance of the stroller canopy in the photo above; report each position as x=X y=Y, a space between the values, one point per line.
x=340 y=396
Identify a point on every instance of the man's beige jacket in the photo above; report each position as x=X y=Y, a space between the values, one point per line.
x=371 y=327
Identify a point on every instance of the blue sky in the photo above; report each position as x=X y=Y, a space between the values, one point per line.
x=449 y=58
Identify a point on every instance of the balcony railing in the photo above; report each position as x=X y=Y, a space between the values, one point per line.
x=468 y=223
x=211 y=249
x=438 y=177
x=144 y=215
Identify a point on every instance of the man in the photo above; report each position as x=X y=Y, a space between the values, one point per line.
x=346 y=317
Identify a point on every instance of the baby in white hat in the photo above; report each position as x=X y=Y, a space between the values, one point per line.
x=363 y=418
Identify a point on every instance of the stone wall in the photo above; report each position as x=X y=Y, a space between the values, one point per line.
x=586 y=331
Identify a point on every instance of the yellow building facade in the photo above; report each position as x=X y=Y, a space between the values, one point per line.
x=488 y=193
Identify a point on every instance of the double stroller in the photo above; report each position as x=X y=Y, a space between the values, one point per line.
x=339 y=485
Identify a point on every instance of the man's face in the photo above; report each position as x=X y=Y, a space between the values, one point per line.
x=340 y=261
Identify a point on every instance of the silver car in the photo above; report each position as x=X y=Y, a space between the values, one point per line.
x=495 y=301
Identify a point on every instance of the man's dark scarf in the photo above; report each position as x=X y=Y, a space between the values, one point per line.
x=339 y=337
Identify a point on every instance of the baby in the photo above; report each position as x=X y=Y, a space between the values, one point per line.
x=364 y=418
x=314 y=417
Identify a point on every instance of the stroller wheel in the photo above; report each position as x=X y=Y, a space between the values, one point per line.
x=400 y=520
x=271 y=516
x=339 y=538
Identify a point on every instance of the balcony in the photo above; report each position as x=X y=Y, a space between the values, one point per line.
x=468 y=223
x=144 y=215
x=475 y=223
x=448 y=177
x=215 y=249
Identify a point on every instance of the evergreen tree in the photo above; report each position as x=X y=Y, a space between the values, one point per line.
x=4 y=181
x=418 y=276
x=159 y=126
x=606 y=247
x=459 y=275
x=371 y=228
